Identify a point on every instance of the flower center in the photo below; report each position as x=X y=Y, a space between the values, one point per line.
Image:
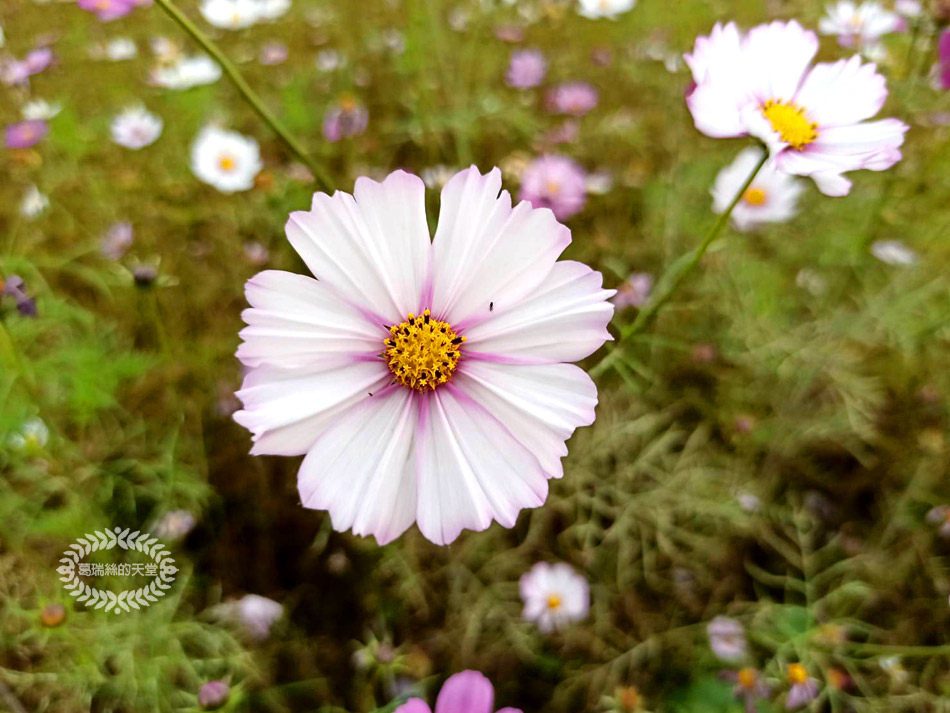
x=422 y=353
x=554 y=602
x=747 y=677
x=790 y=122
x=227 y=163
x=797 y=673
x=553 y=187
x=754 y=196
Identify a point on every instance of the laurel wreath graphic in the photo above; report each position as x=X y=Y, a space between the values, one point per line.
x=130 y=598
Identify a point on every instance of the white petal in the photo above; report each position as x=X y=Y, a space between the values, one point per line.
x=842 y=93
x=717 y=54
x=360 y=469
x=777 y=56
x=716 y=110
x=470 y=470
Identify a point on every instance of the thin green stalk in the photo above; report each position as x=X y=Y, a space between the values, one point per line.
x=678 y=272
x=252 y=98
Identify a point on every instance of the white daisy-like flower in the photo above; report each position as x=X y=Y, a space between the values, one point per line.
x=40 y=110
x=174 y=525
x=231 y=14
x=136 y=128
x=32 y=436
x=33 y=203
x=426 y=380
x=893 y=252
x=727 y=638
x=257 y=614
x=554 y=596
x=859 y=24
x=595 y=9
x=120 y=49
x=771 y=198
x=812 y=118
x=187 y=72
x=272 y=9
x=225 y=159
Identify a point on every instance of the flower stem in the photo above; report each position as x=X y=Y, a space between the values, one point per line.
x=675 y=275
x=252 y=98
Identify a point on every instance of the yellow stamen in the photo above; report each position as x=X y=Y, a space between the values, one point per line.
x=553 y=187
x=747 y=677
x=797 y=673
x=422 y=353
x=227 y=163
x=554 y=601
x=754 y=196
x=790 y=122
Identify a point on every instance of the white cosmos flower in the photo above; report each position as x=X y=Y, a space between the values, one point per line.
x=231 y=14
x=187 y=72
x=811 y=117
x=554 y=595
x=32 y=436
x=595 y=9
x=225 y=159
x=33 y=203
x=121 y=48
x=771 y=198
x=41 y=110
x=136 y=128
x=893 y=252
x=426 y=380
x=857 y=25
x=272 y=9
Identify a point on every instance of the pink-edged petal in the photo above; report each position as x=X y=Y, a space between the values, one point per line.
x=414 y=705
x=372 y=249
x=487 y=252
x=466 y=692
x=716 y=110
x=509 y=710
x=776 y=56
x=842 y=93
x=360 y=469
x=470 y=469
x=719 y=52
x=565 y=319
x=296 y=321
x=540 y=405
x=286 y=410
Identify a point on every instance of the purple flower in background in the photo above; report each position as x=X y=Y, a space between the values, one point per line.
x=526 y=69
x=555 y=182
x=635 y=291
x=18 y=72
x=108 y=10
x=273 y=53
x=26 y=134
x=727 y=638
x=117 y=240
x=347 y=118
x=38 y=60
x=465 y=692
x=943 y=66
x=803 y=689
x=213 y=694
x=575 y=98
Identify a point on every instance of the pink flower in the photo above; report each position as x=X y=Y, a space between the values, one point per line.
x=465 y=692
x=345 y=119
x=943 y=56
x=574 y=98
x=18 y=72
x=26 y=134
x=526 y=69
x=108 y=10
x=555 y=182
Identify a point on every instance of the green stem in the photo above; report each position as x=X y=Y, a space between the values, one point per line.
x=668 y=285
x=252 y=98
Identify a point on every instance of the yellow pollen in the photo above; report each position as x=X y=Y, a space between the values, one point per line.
x=754 y=196
x=102 y=5
x=227 y=163
x=553 y=187
x=422 y=353
x=236 y=18
x=797 y=673
x=747 y=677
x=348 y=102
x=790 y=122
x=554 y=601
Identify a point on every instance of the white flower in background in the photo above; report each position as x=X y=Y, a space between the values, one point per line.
x=893 y=252
x=33 y=203
x=165 y=50
x=554 y=595
x=272 y=9
x=427 y=380
x=187 y=72
x=595 y=9
x=727 y=639
x=174 y=525
x=771 y=198
x=909 y=8
x=225 y=159
x=32 y=436
x=120 y=49
x=40 y=110
x=3 y=38
x=859 y=25
x=231 y=14
x=328 y=60
x=257 y=614
x=436 y=177
x=136 y=128
x=749 y=502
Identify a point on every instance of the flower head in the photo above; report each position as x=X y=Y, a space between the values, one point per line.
x=34 y=202
x=174 y=525
x=120 y=49
x=213 y=694
x=893 y=252
x=231 y=14
x=32 y=436
x=595 y=9
x=771 y=198
x=726 y=638
x=426 y=379
x=40 y=110
x=810 y=117
x=136 y=128
x=346 y=118
x=26 y=134
x=526 y=69
x=187 y=72
x=465 y=692
x=635 y=291
x=574 y=98
x=802 y=688
x=555 y=182
x=107 y=10
x=117 y=240
x=554 y=595
x=859 y=25
x=225 y=159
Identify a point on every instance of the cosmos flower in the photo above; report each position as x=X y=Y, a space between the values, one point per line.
x=555 y=182
x=595 y=9
x=25 y=134
x=771 y=198
x=635 y=291
x=33 y=203
x=231 y=14
x=726 y=638
x=120 y=49
x=136 y=128
x=187 y=72
x=526 y=69
x=426 y=381
x=802 y=688
x=859 y=25
x=554 y=595
x=107 y=10
x=17 y=72
x=40 y=110
x=893 y=252
x=257 y=615
x=31 y=437
x=810 y=117
x=225 y=159
x=345 y=119
x=574 y=98
x=465 y=692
